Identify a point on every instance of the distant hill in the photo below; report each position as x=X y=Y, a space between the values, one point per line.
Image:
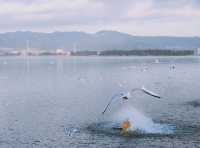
x=103 y=40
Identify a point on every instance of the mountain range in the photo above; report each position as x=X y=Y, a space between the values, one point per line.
x=102 y=40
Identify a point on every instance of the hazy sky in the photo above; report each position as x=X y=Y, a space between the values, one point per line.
x=137 y=17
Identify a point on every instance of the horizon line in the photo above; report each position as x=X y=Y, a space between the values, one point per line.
x=80 y=31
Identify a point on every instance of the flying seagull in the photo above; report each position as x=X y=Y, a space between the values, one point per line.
x=125 y=96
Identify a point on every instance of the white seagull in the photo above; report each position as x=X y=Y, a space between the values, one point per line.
x=126 y=96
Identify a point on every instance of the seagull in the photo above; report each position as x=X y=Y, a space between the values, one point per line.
x=127 y=95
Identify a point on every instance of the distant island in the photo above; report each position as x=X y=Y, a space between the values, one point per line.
x=103 y=43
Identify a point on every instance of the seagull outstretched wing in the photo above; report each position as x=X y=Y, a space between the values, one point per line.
x=126 y=96
x=146 y=91
x=117 y=96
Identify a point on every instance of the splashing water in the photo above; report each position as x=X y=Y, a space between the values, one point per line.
x=140 y=122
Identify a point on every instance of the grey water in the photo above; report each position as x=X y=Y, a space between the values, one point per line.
x=51 y=101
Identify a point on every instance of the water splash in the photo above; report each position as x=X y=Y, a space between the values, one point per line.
x=140 y=122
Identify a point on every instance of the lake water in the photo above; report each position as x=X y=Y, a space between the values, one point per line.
x=57 y=101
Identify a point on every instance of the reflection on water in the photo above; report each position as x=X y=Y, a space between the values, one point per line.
x=53 y=103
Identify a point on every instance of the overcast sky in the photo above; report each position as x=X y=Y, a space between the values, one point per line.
x=137 y=17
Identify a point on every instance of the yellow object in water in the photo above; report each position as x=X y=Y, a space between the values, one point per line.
x=125 y=125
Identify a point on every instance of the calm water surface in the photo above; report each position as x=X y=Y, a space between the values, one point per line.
x=51 y=101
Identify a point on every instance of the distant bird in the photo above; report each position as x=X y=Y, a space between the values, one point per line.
x=126 y=96
x=172 y=67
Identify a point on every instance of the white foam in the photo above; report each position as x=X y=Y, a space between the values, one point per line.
x=139 y=121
